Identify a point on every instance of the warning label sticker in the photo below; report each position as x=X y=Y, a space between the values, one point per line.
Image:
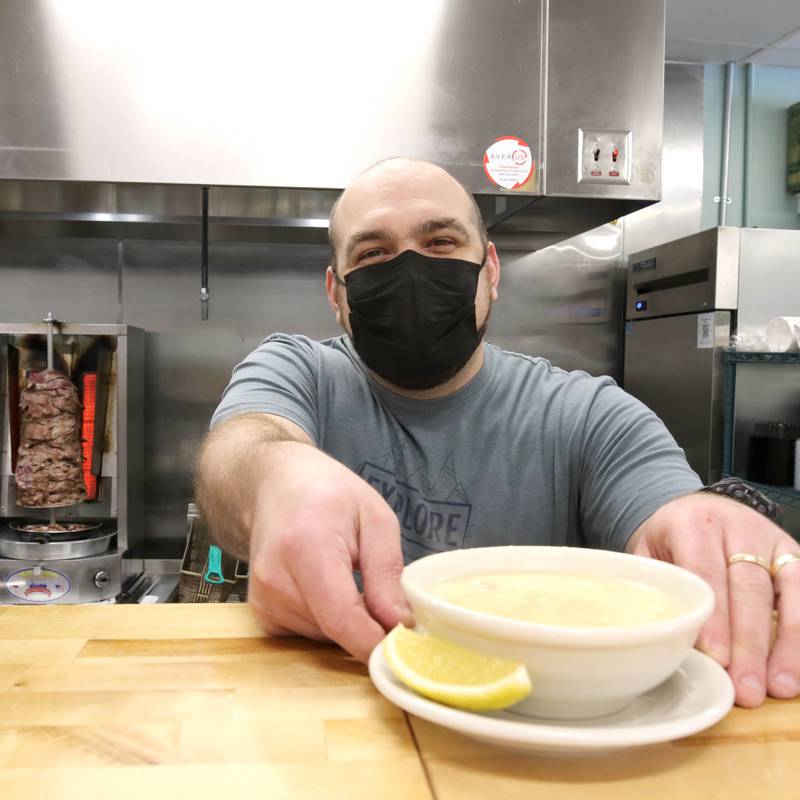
x=509 y=163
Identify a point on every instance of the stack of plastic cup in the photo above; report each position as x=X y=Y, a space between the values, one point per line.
x=783 y=334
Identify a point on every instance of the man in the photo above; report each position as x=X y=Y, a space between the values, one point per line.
x=411 y=435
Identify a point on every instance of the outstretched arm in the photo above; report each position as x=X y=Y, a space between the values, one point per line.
x=304 y=522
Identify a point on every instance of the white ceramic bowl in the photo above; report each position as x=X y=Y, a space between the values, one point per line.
x=577 y=673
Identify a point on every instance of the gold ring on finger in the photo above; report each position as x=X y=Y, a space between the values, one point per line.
x=750 y=559
x=782 y=561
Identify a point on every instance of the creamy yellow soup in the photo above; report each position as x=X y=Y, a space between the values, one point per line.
x=561 y=598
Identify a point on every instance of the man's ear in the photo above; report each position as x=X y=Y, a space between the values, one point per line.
x=331 y=289
x=492 y=266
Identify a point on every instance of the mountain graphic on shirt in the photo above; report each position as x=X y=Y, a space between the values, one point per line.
x=445 y=487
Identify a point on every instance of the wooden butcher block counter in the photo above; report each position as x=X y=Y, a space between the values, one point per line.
x=192 y=701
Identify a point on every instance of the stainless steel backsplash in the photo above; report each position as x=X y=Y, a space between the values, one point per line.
x=562 y=308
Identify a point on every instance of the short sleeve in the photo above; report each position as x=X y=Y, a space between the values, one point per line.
x=279 y=377
x=630 y=466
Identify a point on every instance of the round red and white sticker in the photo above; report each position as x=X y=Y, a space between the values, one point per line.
x=509 y=162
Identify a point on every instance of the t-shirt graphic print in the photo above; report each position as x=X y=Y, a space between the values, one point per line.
x=433 y=511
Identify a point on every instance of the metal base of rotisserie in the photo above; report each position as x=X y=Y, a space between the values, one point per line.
x=69 y=580
x=16 y=543
x=57 y=526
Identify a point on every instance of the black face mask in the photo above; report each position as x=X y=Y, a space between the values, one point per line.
x=413 y=318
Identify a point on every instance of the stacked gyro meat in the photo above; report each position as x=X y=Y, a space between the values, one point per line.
x=49 y=464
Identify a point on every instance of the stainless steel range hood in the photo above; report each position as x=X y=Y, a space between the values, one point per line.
x=113 y=114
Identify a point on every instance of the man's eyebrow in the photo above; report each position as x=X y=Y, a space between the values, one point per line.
x=434 y=225
x=376 y=234
x=384 y=234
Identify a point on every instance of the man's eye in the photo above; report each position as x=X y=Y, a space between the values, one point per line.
x=374 y=253
x=441 y=243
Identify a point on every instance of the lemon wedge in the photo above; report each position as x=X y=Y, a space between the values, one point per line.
x=451 y=674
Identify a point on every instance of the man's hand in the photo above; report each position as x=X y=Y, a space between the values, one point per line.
x=701 y=532
x=314 y=521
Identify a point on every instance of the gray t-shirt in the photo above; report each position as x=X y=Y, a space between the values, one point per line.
x=525 y=453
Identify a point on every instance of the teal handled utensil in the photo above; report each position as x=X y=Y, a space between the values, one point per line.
x=214 y=568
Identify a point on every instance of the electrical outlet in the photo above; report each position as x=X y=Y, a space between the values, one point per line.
x=604 y=156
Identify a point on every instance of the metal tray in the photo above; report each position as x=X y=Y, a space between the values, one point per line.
x=43 y=547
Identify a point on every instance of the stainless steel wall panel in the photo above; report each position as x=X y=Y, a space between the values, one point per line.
x=564 y=302
x=605 y=72
x=77 y=279
x=679 y=212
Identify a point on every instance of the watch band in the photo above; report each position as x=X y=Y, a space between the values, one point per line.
x=738 y=490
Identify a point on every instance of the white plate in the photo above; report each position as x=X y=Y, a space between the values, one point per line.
x=696 y=696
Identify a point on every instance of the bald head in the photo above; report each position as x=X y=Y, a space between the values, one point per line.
x=399 y=200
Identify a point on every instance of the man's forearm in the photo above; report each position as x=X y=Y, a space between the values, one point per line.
x=233 y=460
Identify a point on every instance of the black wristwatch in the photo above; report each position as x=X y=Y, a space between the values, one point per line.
x=738 y=490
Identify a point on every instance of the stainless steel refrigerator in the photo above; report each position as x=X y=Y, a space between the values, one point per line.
x=684 y=301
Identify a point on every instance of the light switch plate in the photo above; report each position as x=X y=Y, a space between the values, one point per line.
x=596 y=163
